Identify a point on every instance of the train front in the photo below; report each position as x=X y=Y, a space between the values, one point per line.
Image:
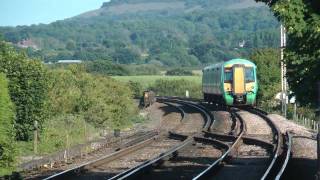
x=240 y=83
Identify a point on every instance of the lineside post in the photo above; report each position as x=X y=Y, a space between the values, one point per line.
x=318 y=135
x=35 y=137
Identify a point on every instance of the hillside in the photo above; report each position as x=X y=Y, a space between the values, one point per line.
x=164 y=32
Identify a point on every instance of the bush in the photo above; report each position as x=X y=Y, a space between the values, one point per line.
x=179 y=72
x=7 y=134
x=136 y=88
x=27 y=87
x=102 y=101
x=106 y=67
x=177 y=88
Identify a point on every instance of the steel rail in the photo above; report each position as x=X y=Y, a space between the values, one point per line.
x=182 y=112
x=133 y=145
x=150 y=138
x=271 y=170
x=276 y=138
x=246 y=140
x=204 y=174
x=208 y=116
x=136 y=171
x=287 y=157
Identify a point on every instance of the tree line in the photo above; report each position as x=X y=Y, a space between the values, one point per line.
x=175 y=39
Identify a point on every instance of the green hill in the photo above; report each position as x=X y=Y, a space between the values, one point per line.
x=167 y=32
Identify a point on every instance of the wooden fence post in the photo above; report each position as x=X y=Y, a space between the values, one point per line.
x=35 y=137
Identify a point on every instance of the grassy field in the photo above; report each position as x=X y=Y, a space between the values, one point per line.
x=146 y=81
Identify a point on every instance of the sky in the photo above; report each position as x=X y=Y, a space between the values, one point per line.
x=27 y=12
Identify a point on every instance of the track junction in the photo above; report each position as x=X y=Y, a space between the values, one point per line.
x=193 y=148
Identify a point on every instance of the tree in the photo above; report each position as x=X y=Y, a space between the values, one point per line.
x=126 y=56
x=302 y=21
x=7 y=133
x=268 y=73
x=106 y=67
x=27 y=87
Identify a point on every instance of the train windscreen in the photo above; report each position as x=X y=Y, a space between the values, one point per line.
x=249 y=74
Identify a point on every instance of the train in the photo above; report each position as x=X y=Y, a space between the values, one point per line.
x=233 y=82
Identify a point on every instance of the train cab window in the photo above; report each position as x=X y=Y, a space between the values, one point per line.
x=249 y=74
x=228 y=77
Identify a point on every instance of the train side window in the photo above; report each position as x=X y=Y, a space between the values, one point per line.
x=249 y=74
x=228 y=77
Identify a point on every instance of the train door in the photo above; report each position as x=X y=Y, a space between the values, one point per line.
x=239 y=80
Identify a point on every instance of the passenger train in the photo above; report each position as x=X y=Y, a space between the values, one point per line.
x=233 y=82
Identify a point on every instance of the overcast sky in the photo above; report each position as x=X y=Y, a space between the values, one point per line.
x=27 y=12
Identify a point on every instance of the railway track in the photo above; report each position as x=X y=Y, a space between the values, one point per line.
x=279 y=149
x=104 y=164
x=160 y=167
x=196 y=154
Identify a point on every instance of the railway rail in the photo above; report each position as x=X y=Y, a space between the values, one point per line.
x=105 y=160
x=279 y=149
x=138 y=171
x=281 y=146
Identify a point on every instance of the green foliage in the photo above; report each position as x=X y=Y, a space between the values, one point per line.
x=65 y=131
x=148 y=81
x=178 y=72
x=143 y=69
x=102 y=101
x=164 y=87
x=302 y=21
x=268 y=72
x=106 y=68
x=187 y=36
x=136 y=88
x=27 y=87
x=7 y=133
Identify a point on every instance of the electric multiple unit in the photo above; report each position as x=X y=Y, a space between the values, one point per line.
x=233 y=82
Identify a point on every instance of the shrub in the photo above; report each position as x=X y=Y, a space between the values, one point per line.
x=106 y=67
x=165 y=87
x=7 y=133
x=102 y=101
x=27 y=87
x=136 y=88
x=179 y=72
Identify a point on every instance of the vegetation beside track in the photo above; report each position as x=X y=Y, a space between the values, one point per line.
x=166 y=85
x=70 y=106
x=7 y=133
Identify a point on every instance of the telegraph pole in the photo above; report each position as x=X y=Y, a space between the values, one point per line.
x=283 y=72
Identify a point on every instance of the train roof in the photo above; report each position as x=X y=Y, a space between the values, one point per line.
x=241 y=61
x=229 y=62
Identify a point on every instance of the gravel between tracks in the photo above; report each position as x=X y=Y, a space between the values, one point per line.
x=193 y=123
x=223 y=122
x=134 y=159
x=302 y=147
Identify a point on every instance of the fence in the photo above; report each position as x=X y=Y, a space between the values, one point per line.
x=306 y=122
